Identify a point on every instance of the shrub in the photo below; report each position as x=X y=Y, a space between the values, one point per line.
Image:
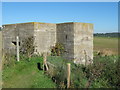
x=28 y=47
x=103 y=73
x=9 y=60
x=57 y=50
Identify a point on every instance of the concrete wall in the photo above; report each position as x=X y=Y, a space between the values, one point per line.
x=0 y=59
x=0 y=46
x=65 y=36
x=77 y=38
x=10 y=32
x=83 y=42
x=45 y=36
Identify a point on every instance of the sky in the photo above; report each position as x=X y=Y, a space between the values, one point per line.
x=60 y=0
x=104 y=15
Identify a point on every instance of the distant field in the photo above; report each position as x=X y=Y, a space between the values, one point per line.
x=105 y=43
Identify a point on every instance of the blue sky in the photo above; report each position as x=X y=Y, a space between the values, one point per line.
x=104 y=15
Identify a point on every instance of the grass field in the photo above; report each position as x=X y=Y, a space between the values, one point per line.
x=25 y=74
x=105 y=43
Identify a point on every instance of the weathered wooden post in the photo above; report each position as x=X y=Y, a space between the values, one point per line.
x=68 y=75
x=45 y=62
x=85 y=57
x=17 y=40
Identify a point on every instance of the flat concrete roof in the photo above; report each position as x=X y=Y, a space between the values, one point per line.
x=46 y=23
x=28 y=23
x=73 y=23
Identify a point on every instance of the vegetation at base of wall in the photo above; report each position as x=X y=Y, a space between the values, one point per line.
x=57 y=50
x=10 y=60
x=103 y=73
x=28 y=47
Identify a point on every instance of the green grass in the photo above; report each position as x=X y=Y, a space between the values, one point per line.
x=0 y=57
x=25 y=74
x=103 y=43
x=55 y=59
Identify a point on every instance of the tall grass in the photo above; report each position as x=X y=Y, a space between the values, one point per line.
x=103 y=73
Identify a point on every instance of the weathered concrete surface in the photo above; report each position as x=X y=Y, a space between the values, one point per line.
x=0 y=59
x=77 y=38
x=0 y=47
x=45 y=36
x=65 y=36
x=10 y=31
x=83 y=43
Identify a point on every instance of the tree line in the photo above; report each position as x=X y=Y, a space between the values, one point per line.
x=116 y=34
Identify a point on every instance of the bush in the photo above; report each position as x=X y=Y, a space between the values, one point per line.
x=103 y=73
x=111 y=68
x=27 y=47
x=57 y=50
x=9 y=60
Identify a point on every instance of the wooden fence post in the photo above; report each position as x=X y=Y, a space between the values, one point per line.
x=45 y=62
x=17 y=42
x=85 y=57
x=68 y=75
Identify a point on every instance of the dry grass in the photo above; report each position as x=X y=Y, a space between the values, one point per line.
x=106 y=45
